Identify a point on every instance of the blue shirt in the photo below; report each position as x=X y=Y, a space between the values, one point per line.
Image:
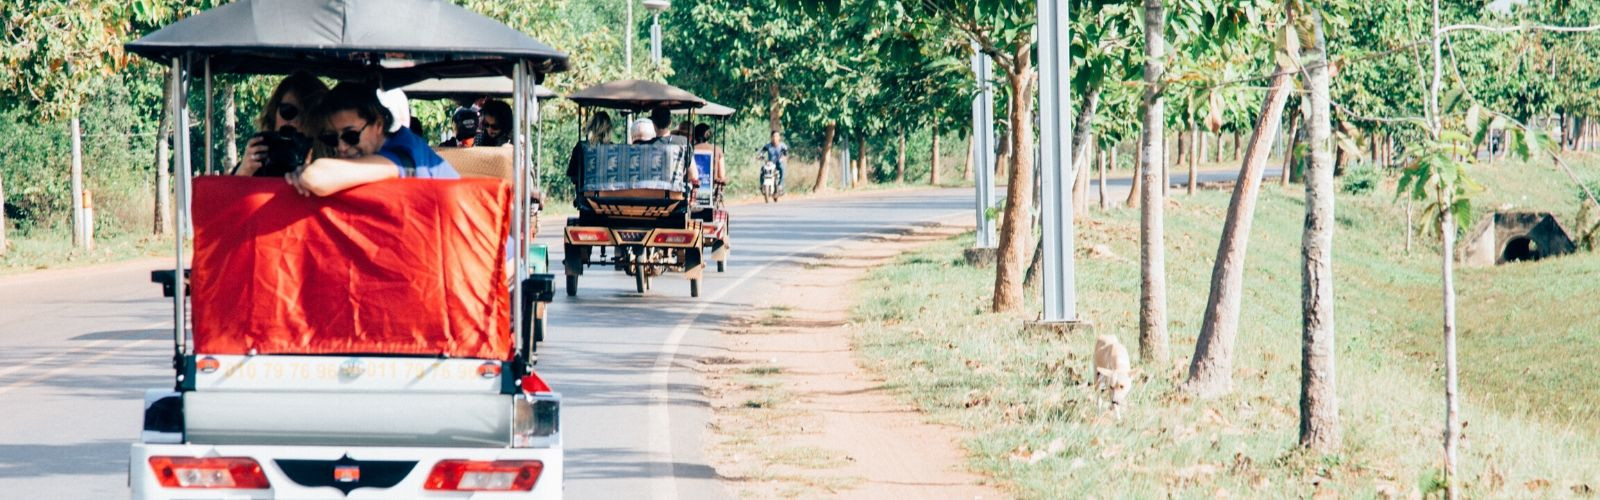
x=406 y=149
x=776 y=153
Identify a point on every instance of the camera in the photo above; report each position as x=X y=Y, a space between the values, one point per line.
x=286 y=151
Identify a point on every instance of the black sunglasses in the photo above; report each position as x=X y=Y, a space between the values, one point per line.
x=288 y=112
x=350 y=137
x=491 y=126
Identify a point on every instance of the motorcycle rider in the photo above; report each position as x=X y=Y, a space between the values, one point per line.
x=777 y=153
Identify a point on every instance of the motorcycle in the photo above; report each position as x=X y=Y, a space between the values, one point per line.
x=769 y=182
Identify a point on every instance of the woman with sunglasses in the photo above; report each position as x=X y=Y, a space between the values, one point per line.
x=290 y=101
x=358 y=144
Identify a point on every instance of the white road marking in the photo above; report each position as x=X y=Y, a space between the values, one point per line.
x=67 y=352
x=74 y=366
x=665 y=484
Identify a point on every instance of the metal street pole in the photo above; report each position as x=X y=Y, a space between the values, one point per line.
x=655 y=39
x=983 y=148
x=1055 y=144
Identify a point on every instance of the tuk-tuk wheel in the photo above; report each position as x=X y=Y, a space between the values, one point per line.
x=722 y=265
x=694 y=288
x=538 y=331
x=572 y=285
x=639 y=282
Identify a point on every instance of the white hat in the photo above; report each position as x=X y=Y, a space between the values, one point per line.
x=399 y=108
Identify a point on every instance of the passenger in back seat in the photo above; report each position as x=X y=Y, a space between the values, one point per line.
x=357 y=145
x=596 y=133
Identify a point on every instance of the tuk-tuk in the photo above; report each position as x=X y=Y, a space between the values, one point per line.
x=634 y=200
x=708 y=201
x=377 y=342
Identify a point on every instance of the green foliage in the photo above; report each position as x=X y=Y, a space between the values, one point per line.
x=1360 y=179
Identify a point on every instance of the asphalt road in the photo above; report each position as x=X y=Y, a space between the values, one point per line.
x=79 y=347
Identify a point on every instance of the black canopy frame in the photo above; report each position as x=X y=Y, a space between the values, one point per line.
x=391 y=42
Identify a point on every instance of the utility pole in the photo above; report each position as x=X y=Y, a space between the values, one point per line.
x=983 y=148
x=1055 y=168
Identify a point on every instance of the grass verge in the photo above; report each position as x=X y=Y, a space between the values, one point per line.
x=1529 y=345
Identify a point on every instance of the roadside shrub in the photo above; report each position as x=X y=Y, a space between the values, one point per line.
x=1360 y=179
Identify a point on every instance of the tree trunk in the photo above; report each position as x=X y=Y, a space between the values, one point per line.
x=1152 y=239
x=1112 y=159
x=1288 y=148
x=972 y=157
x=1319 y=402
x=827 y=153
x=1211 y=369
x=1194 y=160
x=861 y=171
x=163 y=215
x=937 y=162
x=900 y=163
x=774 y=108
x=1217 y=156
x=1167 y=162
x=1236 y=151
x=1447 y=231
x=1082 y=147
x=1137 y=181
x=230 y=129
x=1015 y=228
x=77 y=184
x=1080 y=184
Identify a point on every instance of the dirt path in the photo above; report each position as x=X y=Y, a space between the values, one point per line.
x=795 y=415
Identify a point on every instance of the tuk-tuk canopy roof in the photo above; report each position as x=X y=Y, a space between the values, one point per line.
x=710 y=109
x=636 y=95
x=402 y=41
x=453 y=88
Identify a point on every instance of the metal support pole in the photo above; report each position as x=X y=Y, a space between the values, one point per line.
x=846 y=174
x=181 y=165
x=983 y=147
x=519 y=212
x=209 y=167
x=1055 y=167
x=655 y=40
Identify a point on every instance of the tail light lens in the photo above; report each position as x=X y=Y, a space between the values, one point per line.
x=474 y=475
x=209 y=472
x=673 y=238
x=597 y=236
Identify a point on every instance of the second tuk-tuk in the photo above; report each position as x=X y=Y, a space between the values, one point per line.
x=635 y=203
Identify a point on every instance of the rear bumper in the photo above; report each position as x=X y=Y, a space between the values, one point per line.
x=143 y=481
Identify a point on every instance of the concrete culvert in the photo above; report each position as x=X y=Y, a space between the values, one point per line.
x=1503 y=237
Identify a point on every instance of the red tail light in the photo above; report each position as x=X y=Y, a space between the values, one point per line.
x=474 y=475
x=489 y=370
x=590 y=236
x=209 y=472
x=207 y=364
x=673 y=238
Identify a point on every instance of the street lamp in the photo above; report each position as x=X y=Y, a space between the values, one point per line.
x=656 y=7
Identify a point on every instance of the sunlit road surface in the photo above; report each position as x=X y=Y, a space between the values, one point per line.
x=79 y=347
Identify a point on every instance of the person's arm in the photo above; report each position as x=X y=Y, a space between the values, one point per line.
x=327 y=176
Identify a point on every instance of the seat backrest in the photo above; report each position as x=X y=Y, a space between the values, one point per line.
x=618 y=167
x=480 y=162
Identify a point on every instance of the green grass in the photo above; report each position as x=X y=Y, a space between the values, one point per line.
x=1529 y=345
x=53 y=249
